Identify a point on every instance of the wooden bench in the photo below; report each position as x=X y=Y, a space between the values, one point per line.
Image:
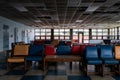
x=61 y=58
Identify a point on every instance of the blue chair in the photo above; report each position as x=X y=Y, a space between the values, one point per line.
x=92 y=58
x=61 y=43
x=106 y=54
x=63 y=50
x=35 y=54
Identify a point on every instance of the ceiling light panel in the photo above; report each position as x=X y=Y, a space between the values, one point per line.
x=20 y=7
x=73 y=3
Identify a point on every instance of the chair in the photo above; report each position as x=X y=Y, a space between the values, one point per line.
x=55 y=42
x=35 y=54
x=92 y=58
x=49 y=50
x=117 y=56
x=47 y=42
x=106 y=54
x=62 y=42
x=63 y=50
x=75 y=51
x=68 y=43
x=19 y=52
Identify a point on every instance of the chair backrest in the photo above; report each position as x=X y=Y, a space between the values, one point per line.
x=106 y=52
x=36 y=50
x=40 y=42
x=21 y=50
x=55 y=42
x=83 y=46
x=75 y=50
x=61 y=43
x=68 y=43
x=49 y=50
x=63 y=50
x=117 y=52
x=47 y=42
x=91 y=52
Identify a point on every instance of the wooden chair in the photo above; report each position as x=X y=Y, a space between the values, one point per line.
x=55 y=42
x=19 y=52
x=117 y=56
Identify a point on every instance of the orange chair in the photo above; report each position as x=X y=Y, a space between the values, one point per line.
x=19 y=52
x=55 y=42
x=117 y=56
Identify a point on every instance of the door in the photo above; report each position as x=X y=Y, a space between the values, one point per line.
x=15 y=34
x=23 y=36
x=80 y=37
x=5 y=37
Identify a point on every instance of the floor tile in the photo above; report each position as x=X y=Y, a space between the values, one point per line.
x=15 y=72
x=78 y=78
x=56 y=72
x=55 y=78
x=101 y=78
x=2 y=72
x=34 y=72
x=10 y=77
x=32 y=78
x=116 y=77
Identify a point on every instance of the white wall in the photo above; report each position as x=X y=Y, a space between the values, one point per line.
x=12 y=24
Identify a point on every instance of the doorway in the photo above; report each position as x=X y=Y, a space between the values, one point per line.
x=15 y=34
x=5 y=37
x=80 y=37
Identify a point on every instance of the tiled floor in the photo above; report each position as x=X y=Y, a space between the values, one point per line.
x=59 y=72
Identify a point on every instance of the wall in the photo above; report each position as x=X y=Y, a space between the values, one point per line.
x=12 y=24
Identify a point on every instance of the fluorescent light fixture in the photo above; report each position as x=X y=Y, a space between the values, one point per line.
x=19 y=7
x=37 y=20
x=79 y=21
x=118 y=21
x=92 y=8
x=74 y=3
x=73 y=26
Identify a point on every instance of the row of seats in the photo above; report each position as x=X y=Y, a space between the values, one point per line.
x=101 y=57
x=55 y=42
x=90 y=54
x=35 y=52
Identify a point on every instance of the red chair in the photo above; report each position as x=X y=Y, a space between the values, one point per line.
x=68 y=43
x=50 y=50
x=40 y=42
x=83 y=46
x=76 y=50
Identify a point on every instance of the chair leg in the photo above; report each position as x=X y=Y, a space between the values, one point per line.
x=25 y=65
x=7 y=65
x=86 y=69
x=70 y=65
x=119 y=68
x=44 y=65
x=103 y=66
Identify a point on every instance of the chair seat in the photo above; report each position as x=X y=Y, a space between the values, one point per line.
x=94 y=61
x=34 y=58
x=15 y=59
x=110 y=61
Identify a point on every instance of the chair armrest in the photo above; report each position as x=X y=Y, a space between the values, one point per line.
x=9 y=53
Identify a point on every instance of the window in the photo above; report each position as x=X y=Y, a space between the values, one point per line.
x=42 y=33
